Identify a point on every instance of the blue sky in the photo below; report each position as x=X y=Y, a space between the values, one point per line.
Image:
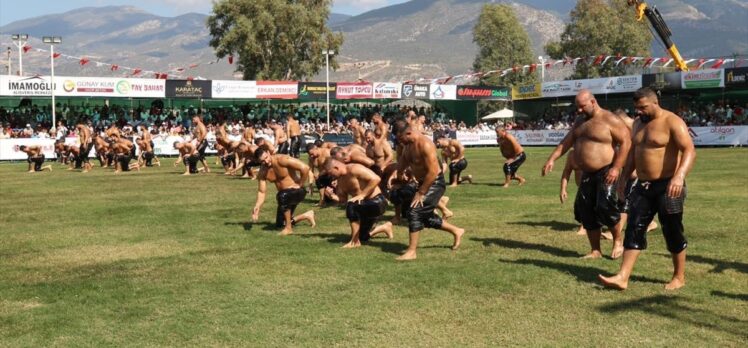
x=13 y=10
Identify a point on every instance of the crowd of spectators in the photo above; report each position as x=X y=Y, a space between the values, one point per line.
x=35 y=121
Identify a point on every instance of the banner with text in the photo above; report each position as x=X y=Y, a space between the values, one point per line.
x=443 y=92
x=277 y=89
x=532 y=91
x=358 y=90
x=387 y=90
x=198 y=89
x=316 y=90
x=231 y=89
x=413 y=91
x=736 y=77
x=482 y=93
x=707 y=78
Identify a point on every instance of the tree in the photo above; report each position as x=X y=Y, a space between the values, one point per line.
x=502 y=42
x=273 y=39
x=601 y=27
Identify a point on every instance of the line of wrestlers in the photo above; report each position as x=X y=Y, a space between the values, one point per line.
x=112 y=150
x=364 y=177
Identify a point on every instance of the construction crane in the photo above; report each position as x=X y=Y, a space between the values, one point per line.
x=654 y=17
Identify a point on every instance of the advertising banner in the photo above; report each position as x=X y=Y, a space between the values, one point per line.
x=721 y=135
x=277 y=89
x=188 y=89
x=316 y=90
x=230 y=89
x=736 y=77
x=482 y=93
x=358 y=90
x=558 y=89
x=605 y=85
x=22 y=86
x=707 y=78
x=443 y=92
x=662 y=82
x=532 y=91
x=414 y=91
x=387 y=90
x=623 y=84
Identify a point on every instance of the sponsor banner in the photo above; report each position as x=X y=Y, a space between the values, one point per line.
x=443 y=92
x=109 y=87
x=532 y=91
x=662 y=82
x=606 y=85
x=277 y=89
x=722 y=135
x=707 y=78
x=347 y=90
x=736 y=77
x=622 y=84
x=188 y=89
x=558 y=89
x=229 y=89
x=387 y=90
x=482 y=93
x=316 y=90
x=415 y=91
x=23 y=86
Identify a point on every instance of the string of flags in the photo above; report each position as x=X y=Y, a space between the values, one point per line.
x=598 y=60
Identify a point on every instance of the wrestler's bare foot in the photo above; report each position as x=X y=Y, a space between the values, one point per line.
x=675 y=284
x=447 y=214
x=311 y=219
x=285 y=232
x=652 y=226
x=185 y=174
x=458 y=238
x=469 y=179
x=594 y=254
x=582 y=231
x=505 y=185
x=351 y=245
x=445 y=199
x=387 y=226
x=522 y=181
x=614 y=282
x=617 y=250
x=606 y=235
x=453 y=185
x=409 y=255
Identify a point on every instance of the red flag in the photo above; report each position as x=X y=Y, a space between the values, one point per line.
x=84 y=61
x=55 y=55
x=136 y=71
x=718 y=63
x=26 y=48
x=599 y=59
x=664 y=59
x=533 y=67
x=180 y=69
x=618 y=56
x=114 y=67
x=515 y=69
x=194 y=66
x=163 y=76
x=628 y=60
x=648 y=61
x=157 y=75
x=190 y=78
x=231 y=59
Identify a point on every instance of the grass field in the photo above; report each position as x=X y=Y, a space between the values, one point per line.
x=156 y=259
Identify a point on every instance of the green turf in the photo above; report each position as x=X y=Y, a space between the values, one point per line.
x=156 y=259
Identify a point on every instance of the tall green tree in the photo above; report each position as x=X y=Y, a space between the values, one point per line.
x=502 y=43
x=601 y=27
x=273 y=39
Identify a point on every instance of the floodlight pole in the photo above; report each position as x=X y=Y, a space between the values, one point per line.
x=52 y=40
x=542 y=68
x=20 y=40
x=327 y=54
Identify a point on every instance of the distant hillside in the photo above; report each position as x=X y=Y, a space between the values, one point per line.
x=419 y=38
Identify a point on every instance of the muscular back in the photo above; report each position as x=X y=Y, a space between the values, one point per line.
x=358 y=177
x=421 y=158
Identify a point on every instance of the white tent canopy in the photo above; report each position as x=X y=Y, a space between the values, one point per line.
x=503 y=113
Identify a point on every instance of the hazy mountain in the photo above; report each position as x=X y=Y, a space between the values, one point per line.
x=419 y=38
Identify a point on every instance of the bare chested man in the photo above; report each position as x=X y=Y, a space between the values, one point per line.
x=663 y=155
x=514 y=154
x=249 y=133
x=358 y=131
x=453 y=156
x=282 y=145
x=189 y=156
x=201 y=143
x=86 y=143
x=122 y=150
x=419 y=156
x=103 y=151
x=366 y=203
x=380 y=151
x=318 y=156
x=601 y=143
x=294 y=135
x=146 y=149
x=381 y=128
x=35 y=158
x=289 y=175
x=352 y=154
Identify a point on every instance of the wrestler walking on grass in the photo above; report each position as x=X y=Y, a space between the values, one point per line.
x=662 y=155
x=594 y=138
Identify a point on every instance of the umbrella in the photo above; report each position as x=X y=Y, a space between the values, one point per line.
x=503 y=113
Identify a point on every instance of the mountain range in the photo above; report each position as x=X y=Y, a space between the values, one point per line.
x=419 y=38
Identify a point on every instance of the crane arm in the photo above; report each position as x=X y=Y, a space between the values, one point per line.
x=654 y=17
